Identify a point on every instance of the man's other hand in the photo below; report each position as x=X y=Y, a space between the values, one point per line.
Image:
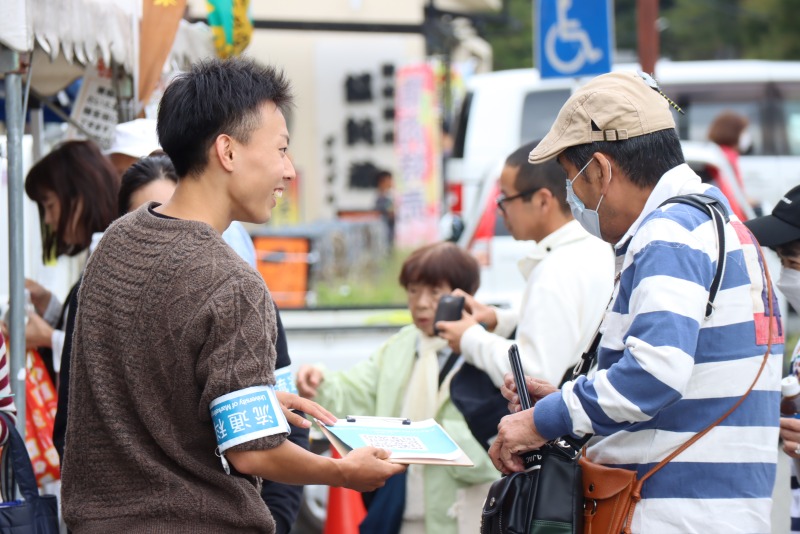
x=516 y=434
x=453 y=330
x=480 y=312
x=790 y=434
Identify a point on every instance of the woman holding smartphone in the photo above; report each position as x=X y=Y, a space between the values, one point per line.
x=409 y=376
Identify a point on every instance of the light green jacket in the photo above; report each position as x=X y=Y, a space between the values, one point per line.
x=377 y=387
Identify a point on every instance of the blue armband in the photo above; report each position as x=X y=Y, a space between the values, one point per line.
x=245 y=415
x=284 y=380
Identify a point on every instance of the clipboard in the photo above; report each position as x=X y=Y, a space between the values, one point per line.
x=409 y=442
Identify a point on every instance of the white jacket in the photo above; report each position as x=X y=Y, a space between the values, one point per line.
x=570 y=277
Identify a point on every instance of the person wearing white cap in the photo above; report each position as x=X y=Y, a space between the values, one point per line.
x=675 y=355
x=132 y=140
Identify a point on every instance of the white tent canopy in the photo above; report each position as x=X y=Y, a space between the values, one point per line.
x=63 y=36
x=82 y=30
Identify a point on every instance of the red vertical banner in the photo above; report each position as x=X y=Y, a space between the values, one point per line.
x=40 y=414
x=419 y=153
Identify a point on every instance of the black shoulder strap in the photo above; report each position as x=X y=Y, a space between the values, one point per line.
x=719 y=215
x=587 y=358
x=448 y=366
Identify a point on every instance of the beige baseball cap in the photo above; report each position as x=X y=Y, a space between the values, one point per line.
x=611 y=107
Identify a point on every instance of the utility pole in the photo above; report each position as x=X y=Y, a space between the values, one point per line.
x=648 y=36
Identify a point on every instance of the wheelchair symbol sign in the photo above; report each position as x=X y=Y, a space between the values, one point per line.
x=573 y=37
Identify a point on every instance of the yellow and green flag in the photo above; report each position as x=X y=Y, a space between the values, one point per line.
x=230 y=22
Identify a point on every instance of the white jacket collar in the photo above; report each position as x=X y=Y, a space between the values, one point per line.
x=676 y=181
x=569 y=233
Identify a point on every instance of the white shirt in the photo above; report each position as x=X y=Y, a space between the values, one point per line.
x=237 y=237
x=570 y=277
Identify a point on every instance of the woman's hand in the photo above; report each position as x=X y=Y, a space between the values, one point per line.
x=309 y=379
x=538 y=389
x=37 y=332
x=40 y=297
x=290 y=401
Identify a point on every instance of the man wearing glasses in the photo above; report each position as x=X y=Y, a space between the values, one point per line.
x=569 y=274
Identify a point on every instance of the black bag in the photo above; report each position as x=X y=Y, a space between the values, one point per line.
x=36 y=514
x=523 y=503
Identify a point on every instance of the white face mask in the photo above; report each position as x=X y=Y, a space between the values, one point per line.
x=789 y=284
x=589 y=219
x=745 y=142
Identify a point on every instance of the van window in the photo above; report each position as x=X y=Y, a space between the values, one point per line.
x=539 y=112
x=703 y=102
x=790 y=111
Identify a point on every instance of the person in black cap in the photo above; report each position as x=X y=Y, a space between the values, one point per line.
x=780 y=231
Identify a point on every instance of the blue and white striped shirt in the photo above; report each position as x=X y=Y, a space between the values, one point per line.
x=664 y=372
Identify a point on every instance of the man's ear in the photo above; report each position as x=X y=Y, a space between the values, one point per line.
x=605 y=167
x=223 y=151
x=545 y=198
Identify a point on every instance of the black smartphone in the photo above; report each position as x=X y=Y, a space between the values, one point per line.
x=519 y=377
x=450 y=308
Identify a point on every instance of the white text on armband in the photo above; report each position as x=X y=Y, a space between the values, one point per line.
x=245 y=415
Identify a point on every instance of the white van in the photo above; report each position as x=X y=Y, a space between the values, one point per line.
x=504 y=109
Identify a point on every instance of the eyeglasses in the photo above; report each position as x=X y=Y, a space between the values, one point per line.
x=502 y=199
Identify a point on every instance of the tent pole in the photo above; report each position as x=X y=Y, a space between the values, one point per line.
x=37 y=132
x=10 y=64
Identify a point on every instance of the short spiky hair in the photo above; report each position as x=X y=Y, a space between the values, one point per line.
x=216 y=97
x=548 y=175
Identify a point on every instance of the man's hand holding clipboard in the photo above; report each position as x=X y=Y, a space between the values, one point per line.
x=517 y=433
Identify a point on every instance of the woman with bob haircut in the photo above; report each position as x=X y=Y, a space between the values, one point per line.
x=410 y=376
x=75 y=188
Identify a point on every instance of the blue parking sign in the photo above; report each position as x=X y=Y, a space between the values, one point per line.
x=573 y=37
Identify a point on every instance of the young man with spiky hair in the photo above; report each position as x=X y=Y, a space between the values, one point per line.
x=172 y=416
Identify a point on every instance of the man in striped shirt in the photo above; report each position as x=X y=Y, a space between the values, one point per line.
x=665 y=369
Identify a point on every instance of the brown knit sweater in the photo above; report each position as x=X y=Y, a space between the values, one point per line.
x=169 y=319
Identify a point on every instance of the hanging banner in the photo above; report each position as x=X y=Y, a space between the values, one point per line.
x=418 y=147
x=40 y=415
x=160 y=20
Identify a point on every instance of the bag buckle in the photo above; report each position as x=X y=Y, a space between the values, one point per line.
x=571 y=451
x=594 y=508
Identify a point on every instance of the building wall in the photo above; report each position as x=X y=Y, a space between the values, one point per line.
x=318 y=64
